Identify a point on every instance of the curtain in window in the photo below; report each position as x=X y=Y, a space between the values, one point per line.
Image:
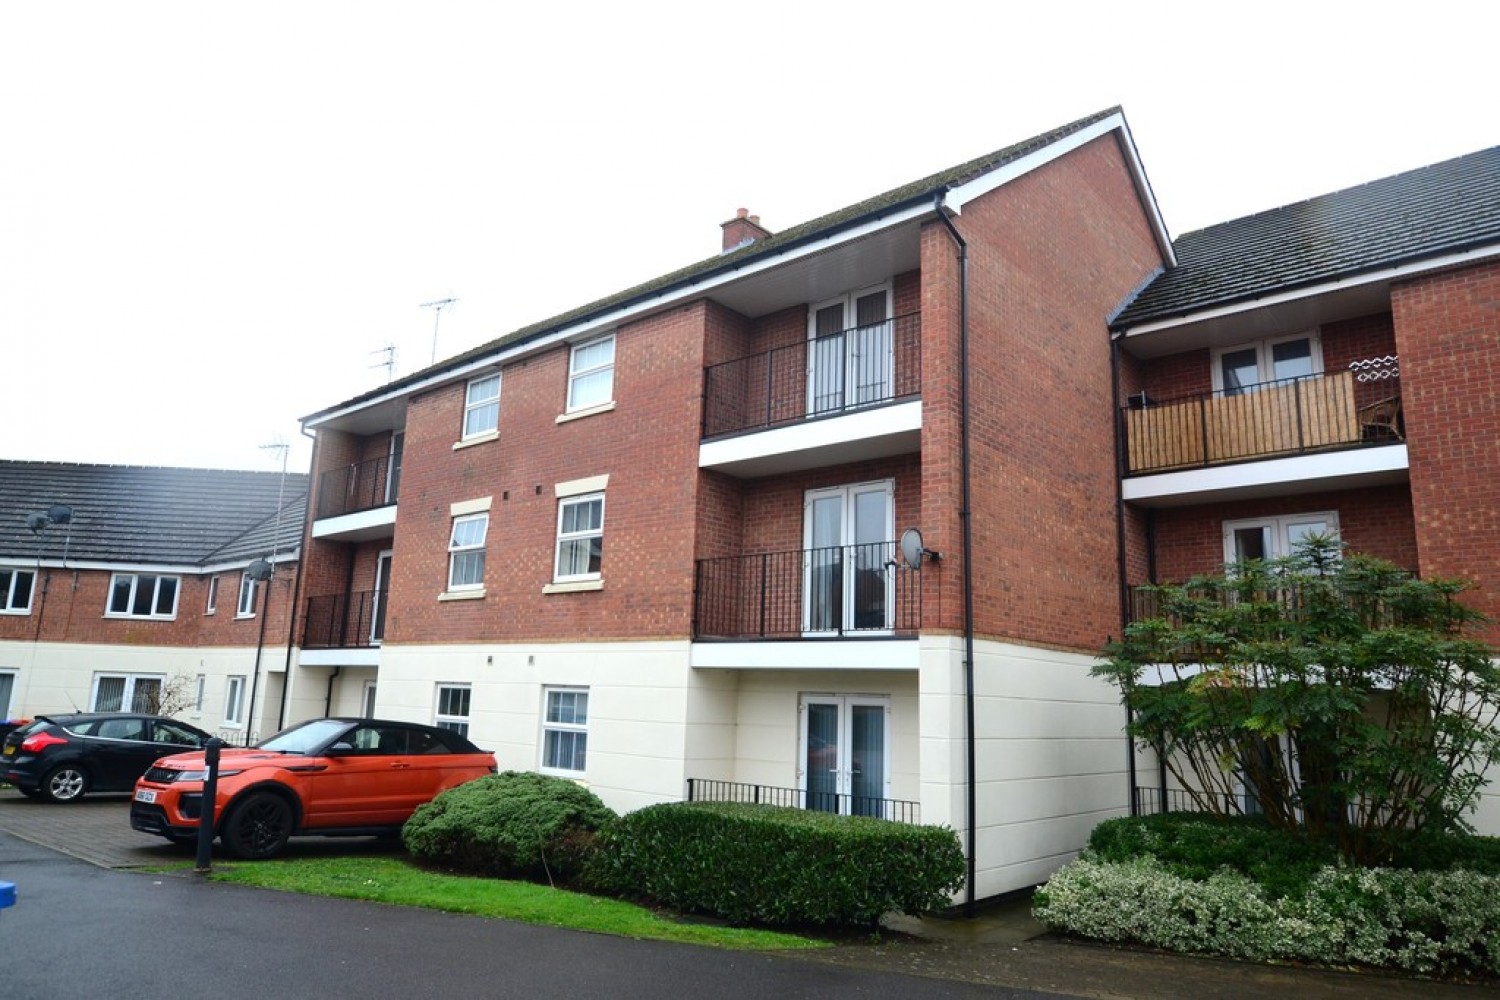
x=822 y=757
x=867 y=760
x=109 y=695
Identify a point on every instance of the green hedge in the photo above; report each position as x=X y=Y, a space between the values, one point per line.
x=768 y=865
x=516 y=824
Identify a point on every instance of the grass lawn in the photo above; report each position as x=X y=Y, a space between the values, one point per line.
x=384 y=879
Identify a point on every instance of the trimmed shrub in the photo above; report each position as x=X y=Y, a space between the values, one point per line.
x=769 y=865
x=516 y=824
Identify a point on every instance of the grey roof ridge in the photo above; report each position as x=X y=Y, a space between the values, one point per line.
x=914 y=192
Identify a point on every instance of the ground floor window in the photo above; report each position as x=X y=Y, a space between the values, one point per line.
x=234 y=702
x=565 y=730
x=452 y=708
x=845 y=753
x=1274 y=537
x=367 y=700
x=7 y=688
x=126 y=693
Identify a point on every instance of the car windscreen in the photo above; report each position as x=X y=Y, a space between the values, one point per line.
x=305 y=738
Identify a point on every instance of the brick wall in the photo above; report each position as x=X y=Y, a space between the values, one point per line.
x=1051 y=254
x=1448 y=336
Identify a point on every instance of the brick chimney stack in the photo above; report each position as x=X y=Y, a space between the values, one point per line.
x=742 y=229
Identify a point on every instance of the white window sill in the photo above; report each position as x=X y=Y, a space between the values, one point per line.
x=140 y=618
x=484 y=438
x=573 y=586
x=15 y=611
x=462 y=595
x=587 y=411
x=243 y=618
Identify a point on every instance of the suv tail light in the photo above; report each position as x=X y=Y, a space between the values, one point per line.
x=37 y=742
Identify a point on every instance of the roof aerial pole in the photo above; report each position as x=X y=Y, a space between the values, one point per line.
x=437 y=306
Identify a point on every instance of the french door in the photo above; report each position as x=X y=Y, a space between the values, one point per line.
x=845 y=756
x=382 y=589
x=846 y=546
x=850 y=356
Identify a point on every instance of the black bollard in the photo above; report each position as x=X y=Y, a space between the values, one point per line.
x=206 y=811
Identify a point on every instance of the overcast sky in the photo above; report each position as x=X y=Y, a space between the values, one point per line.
x=214 y=216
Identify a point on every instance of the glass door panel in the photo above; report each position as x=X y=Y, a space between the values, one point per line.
x=825 y=360
x=821 y=765
x=869 y=584
x=382 y=586
x=845 y=764
x=871 y=361
x=867 y=760
x=824 y=576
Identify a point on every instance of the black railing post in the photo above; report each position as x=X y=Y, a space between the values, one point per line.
x=765 y=571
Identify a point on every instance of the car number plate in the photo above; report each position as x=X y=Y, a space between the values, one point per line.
x=145 y=795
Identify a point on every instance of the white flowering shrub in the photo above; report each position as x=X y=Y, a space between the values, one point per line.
x=1432 y=923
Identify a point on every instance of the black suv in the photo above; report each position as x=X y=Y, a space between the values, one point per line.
x=60 y=758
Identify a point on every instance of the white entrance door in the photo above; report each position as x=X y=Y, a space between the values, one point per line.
x=847 y=534
x=382 y=586
x=850 y=354
x=845 y=755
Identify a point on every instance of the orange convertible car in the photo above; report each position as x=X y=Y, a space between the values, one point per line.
x=327 y=777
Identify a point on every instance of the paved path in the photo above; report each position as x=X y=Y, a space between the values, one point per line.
x=123 y=929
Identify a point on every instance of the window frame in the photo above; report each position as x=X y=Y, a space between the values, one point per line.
x=234 y=701
x=127 y=691
x=455 y=550
x=551 y=726
x=473 y=407
x=563 y=503
x=135 y=581
x=1264 y=364
x=212 y=603
x=1277 y=527
x=248 y=592
x=451 y=720
x=576 y=375
x=8 y=605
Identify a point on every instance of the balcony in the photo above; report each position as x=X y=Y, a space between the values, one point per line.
x=355 y=488
x=856 y=591
x=344 y=621
x=813 y=379
x=1347 y=409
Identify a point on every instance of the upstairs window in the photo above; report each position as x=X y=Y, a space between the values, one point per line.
x=580 y=538
x=246 y=607
x=213 y=596
x=466 y=552
x=591 y=373
x=143 y=595
x=1240 y=369
x=482 y=406
x=15 y=590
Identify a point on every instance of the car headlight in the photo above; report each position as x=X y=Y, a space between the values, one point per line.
x=200 y=775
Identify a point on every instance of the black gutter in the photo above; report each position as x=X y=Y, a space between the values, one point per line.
x=965 y=516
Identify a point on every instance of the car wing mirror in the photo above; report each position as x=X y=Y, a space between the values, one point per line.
x=342 y=746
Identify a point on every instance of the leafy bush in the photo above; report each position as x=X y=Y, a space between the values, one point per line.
x=511 y=825
x=1196 y=846
x=762 y=864
x=1427 y=922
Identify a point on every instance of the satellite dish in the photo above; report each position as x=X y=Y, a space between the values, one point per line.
x=912 y=550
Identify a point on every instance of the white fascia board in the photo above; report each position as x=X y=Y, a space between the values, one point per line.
x=1324 y=467
x=1395 y=273
x=961 y=194
x=377 y=517
x=614 y=318
x=823 y=654
x=338 y=658
x=813 y=435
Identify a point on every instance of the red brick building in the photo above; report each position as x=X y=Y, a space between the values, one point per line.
x=667 y=543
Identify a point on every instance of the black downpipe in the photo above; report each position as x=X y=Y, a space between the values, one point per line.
x=965 y=516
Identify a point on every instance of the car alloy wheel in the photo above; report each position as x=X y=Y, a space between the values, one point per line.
x=258 y=826
x=64 y=783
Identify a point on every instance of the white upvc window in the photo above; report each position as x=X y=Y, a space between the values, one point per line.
x=1274 y=537
x=7 y=689
x=482 y=406
x=234 y=702
x=212 y=604
x=126 y=693
x=16 y=586
x=198 y=691
x=142 y=595
x=565 y=730
x=580 y=538
x=591 y=373
x=246 y=607
x=466 y=552
x=453 y=708
x=1242 y=367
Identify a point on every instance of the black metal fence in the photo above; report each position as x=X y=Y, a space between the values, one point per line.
x=1150 y=800
x=362 y=486
x=344 y=621
x=711 y=790
x=1347 y=409
x=807 y=593
x=822 y=377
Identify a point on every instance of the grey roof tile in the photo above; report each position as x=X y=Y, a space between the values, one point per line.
x=1424 y=213
x=150 y=515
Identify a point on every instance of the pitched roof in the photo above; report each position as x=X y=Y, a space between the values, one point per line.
x=1429 y=212
x=917 y=192
x=150 y=515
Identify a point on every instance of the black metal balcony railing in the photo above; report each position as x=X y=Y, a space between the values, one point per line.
x=826 y=592
x=1149 y=799
x=344 y=621
x=363 y=486
x=823 y=377
x=1347 y=409
x=711 y=790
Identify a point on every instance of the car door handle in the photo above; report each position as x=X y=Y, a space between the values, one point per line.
x=399 y=765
